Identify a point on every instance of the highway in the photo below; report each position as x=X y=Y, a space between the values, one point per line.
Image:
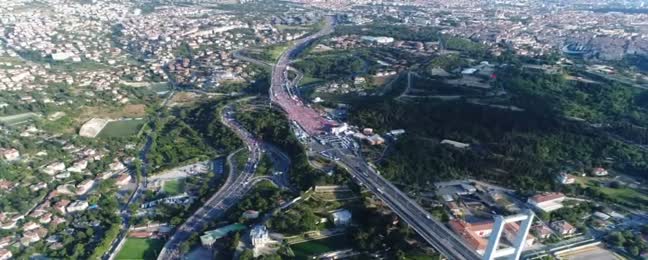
x=237 y=184
x=433 y=231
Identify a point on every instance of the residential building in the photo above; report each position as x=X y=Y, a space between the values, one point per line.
x=250 y=214
x=565 y=178
x=30 y=226
x=45 y=218
x=5 y=254
x=84 y=186
x=547 y=202
x=79 y=205
x=8 y=225
x=78 y=166
x=54 y=168
x=123 y=179
x=6 y=241
x=117 y=166
x=599 y=172
x=9 y=154
x=563 y=228
x=542 y=231
x=30 y=237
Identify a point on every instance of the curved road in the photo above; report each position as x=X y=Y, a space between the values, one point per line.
x=234 y=188
x=238 y=183
x=433 y=231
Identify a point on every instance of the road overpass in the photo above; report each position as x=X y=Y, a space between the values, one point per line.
x=431 y=230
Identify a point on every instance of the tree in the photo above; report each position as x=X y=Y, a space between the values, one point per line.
x=236 y=239
x=617 y=239
x=247 y=254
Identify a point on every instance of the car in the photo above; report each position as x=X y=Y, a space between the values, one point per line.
x=427 y=216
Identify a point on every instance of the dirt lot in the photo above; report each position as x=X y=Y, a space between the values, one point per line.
x=184 y=98
x=130 y=111
x=591 y=253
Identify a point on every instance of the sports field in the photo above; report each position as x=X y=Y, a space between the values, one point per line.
x=140 y=248
x=312 y=248
x=18 y=119
x=173 y=187
x=122 y=128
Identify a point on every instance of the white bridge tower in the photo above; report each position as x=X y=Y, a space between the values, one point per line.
x=514 y=252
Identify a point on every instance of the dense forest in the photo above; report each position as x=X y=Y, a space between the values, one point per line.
x=518 y=149
x=399 y=32
x=331 y=66
x=191 y=134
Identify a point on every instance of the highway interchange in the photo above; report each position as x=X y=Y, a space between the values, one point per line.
x=433 y=231
x=238 y=183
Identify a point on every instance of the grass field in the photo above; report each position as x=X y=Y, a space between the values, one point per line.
x=173 y=187
x=275 y=51
x=122 y=128
x=317 y=247
x=627 y=196
x=310 y=80
x=18 y=118
x=140 y=248
x=159 y=87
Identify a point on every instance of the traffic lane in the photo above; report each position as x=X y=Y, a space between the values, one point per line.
x=414 y=219
x=419 y=216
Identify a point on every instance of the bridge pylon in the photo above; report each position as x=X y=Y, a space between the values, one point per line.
x=513 y=253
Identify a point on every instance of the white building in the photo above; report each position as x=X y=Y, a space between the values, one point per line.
x=54 y=168
x=62 y=56
x=30 y=226
x=259 y=235
x=341 y=217
x=380 y=39
x=547 y=202
x=123 y=179
x=5 y=254
x=10 y=154
x=78 y=166
x=565 y=178
x=563 y=228
x=456 y=144
x=79 y=205
x=117 y=166
x=599 y=172
x=337 y=130
x=84 y=186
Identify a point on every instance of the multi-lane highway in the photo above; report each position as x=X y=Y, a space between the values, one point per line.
x=238 y=183
x=433 y=231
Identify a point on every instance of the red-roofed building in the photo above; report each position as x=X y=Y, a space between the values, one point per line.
x=547 y=202
x=563 y=227
x=542 y=231
x=140 y=234
x=5 y=254
x=477 y=234
x=599 y=172
x=61 y=204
